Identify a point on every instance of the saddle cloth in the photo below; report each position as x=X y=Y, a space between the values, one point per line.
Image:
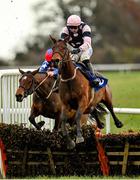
x=103 y=81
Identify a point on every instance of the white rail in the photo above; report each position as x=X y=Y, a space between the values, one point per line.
x=13 y=112
x=120 y=111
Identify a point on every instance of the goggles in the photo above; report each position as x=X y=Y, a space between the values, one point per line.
x=73 y=27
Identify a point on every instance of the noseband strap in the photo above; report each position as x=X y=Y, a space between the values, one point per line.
x=32 y=88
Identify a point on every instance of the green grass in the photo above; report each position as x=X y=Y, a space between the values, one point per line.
x=125 y=88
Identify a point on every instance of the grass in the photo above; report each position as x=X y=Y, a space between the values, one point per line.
x=125 y=88
x=126 y=94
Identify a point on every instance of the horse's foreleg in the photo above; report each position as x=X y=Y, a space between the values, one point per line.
x=32 y=117
x=70 y=143
x=79 y=138
x=108 y=103
x=57 y=124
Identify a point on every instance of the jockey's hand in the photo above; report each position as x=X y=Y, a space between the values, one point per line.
x=75 y=51
x=50 y=73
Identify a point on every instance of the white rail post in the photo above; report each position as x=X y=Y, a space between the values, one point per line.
x=108 y=123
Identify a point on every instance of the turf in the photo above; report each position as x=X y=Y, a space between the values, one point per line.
x=125 y=88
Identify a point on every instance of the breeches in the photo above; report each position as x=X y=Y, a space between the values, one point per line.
x=82 y=55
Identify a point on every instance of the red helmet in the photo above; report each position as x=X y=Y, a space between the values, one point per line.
x=48 y=55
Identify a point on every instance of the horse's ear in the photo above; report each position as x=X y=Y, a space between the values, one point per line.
x=66 y=39
x=35 y=71
x=53 y=39
x=21 y=71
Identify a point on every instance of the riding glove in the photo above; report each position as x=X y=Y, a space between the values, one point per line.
x=75 y=51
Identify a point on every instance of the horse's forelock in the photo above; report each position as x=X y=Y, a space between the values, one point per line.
x=28 y=72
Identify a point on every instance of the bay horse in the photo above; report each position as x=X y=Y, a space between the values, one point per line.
x=46 y=101
x=76 y=92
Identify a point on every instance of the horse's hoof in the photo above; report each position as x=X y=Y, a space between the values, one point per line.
x=79 y=140
x=119 y=124
x=71 y=145
x=40 y=124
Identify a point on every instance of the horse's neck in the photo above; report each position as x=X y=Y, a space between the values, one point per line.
x=68 y=68
x=45 y=87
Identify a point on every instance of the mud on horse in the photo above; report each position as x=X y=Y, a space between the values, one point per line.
x=76 y=92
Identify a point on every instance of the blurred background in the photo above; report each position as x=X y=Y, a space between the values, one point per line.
x=26 y=25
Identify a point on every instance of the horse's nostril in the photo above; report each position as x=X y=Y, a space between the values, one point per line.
x=19 y=97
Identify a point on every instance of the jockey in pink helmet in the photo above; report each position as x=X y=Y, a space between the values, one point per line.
x=80 y=42
x=48 y=66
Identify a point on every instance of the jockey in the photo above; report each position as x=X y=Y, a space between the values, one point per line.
x=49 y=66
x=80 y=43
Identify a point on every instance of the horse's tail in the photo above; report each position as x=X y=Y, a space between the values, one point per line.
x=100 y=108
x=100 y=112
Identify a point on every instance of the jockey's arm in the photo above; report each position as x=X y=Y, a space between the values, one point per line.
x=87 y=38
x=53 y=72
x=64 y=33
x=44 y=66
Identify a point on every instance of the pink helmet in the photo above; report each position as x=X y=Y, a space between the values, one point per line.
x=73 y=20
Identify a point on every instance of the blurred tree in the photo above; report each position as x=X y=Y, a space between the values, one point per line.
x=118 y=22
x=4 y=63
x=115 y=28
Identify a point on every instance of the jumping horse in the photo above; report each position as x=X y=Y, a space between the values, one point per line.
x=76 y=92
x=46 y=100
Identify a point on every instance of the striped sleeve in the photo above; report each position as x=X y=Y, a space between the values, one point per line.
x=86 y=38
x=64 y=33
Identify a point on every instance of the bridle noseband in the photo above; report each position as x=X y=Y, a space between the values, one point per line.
x=31 y=89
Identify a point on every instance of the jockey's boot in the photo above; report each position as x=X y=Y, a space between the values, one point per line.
x=95 y=81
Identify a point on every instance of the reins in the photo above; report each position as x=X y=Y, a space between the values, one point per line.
x=33 y=89
x=69 y=79
x=41 y=83
x=51 y=91
x=65 y=61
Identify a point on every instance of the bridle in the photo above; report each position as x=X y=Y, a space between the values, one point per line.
x=33 y=88
x=65 y=61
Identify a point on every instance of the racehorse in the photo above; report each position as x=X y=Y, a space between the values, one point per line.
x=46 y=101
x=76 y=92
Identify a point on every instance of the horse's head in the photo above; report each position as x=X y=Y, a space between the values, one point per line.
x=26 y=84
x=60 y=50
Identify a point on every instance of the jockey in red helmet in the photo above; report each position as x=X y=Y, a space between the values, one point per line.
x=80 y=43
x=47 y=65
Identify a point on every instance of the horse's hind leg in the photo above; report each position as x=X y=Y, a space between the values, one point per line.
x=108 y=103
